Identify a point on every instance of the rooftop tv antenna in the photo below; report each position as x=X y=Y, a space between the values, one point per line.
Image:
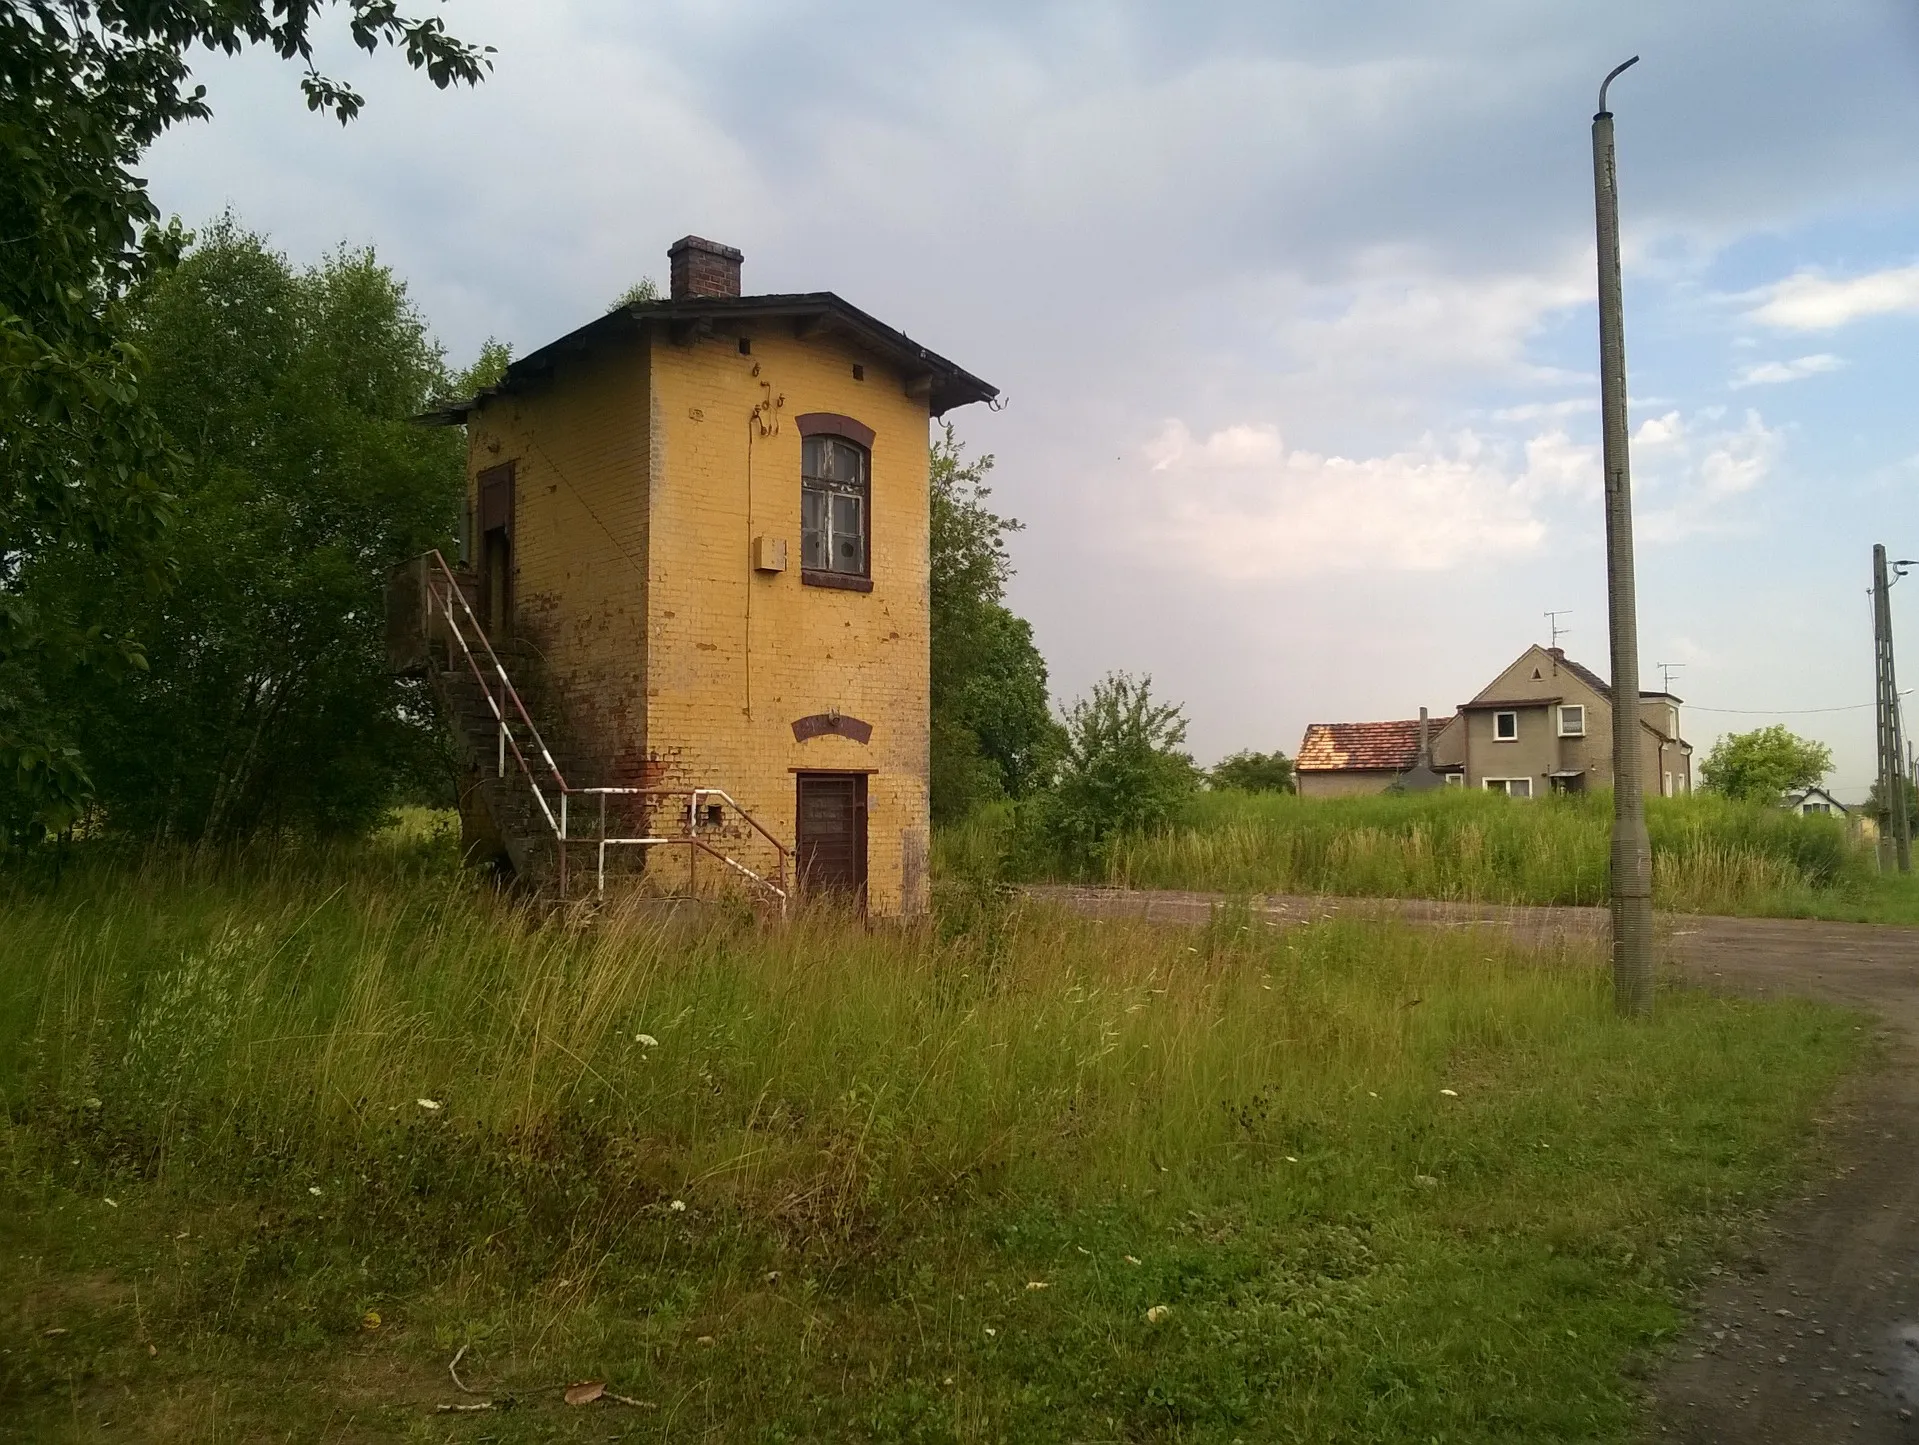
x=1666 y=670
x=1552 y=621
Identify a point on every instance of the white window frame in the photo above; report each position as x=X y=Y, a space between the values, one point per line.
x=1568 y=732
x=1504 y=785
x=1455 y=780
x=1512 y=737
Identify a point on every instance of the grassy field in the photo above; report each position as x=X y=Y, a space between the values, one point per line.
x=282 y=1135
x=1709 y=855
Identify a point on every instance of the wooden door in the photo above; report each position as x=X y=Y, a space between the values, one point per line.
x=830 y=839
x=496 y=583
x=496 y=550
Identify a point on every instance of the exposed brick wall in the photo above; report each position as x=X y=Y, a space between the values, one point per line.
x=579 y=545
x=697 y=267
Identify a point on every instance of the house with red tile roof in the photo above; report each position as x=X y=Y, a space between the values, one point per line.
x=1340 y=759
x=1543 y=725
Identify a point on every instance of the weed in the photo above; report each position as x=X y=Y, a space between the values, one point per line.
x=1019 y=1176
x=1709 y=855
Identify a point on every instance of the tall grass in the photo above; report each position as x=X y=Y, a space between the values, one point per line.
x=834 y=1182
x=190 y=1016
x=1709 y=855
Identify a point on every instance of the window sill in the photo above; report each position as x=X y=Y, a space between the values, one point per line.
x=840 y=581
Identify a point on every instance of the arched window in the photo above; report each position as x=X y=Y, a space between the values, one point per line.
x=835 y=501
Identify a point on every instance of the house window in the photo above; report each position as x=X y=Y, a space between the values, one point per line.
x=1455 y=780
x=1505 y=727
x=1572 y=721
x=1511 y=787
x=834 y=497
x=1816 y=808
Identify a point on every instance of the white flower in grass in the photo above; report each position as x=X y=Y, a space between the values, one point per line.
x=313 y=1189
x=646 y=1041
x=1450 y=1093
x=431 y=1105
x=1158 y=1313
x=678 y=1206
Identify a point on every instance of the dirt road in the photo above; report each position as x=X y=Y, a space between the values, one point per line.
x=1816 y=1336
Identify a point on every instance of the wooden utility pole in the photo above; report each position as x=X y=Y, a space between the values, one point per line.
x=1632 y=958
x=1895 y=826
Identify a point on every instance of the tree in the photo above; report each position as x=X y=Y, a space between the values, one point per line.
x=993 y=730
x=85 y=87
x=1122 y=767
x=1878 y=801
x=1251 y=772
x=288 y=395
x=488 y=369
x=1763 y=765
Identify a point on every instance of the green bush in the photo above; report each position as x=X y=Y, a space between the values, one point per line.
x=1762 y=766
x=1122 y=771
x=1250 y=772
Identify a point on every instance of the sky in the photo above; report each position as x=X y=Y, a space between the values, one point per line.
x=1290 y=304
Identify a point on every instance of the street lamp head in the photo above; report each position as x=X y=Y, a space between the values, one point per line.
x=1611 y=76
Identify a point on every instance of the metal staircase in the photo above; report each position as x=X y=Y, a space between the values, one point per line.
x=546 y=827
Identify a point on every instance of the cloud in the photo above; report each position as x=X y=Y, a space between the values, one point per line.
x=1771 y=373
x=1809 y=301
x=1688 y=473
x=1239 y=504
x=1548 y=410
x=1398 y=311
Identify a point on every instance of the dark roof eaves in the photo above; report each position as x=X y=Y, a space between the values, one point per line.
x=953 y=385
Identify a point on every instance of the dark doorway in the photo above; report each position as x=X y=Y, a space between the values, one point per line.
x=496 y=550
x=1568 y=782
x=830 y=841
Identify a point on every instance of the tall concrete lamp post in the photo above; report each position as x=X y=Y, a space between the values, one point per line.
x=1632 y=961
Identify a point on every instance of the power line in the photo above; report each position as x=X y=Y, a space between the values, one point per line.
x=1782 y=711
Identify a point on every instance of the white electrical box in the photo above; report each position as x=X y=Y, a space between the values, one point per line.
x=769 y=554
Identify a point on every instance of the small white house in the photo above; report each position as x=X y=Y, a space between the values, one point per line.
x=1815 y=801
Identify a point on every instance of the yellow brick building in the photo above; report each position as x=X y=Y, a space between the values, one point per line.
x=706 y=517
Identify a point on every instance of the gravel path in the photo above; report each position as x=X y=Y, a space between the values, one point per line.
x=1816 y=1335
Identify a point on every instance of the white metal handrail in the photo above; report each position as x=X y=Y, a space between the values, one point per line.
x=445 y=592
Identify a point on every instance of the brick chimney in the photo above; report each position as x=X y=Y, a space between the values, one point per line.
x=699 y=267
